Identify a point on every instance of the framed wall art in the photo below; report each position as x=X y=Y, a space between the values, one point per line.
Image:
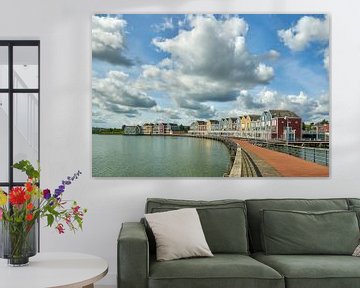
x=210 y=95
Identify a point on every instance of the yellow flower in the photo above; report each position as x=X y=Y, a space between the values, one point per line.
x=3 y=198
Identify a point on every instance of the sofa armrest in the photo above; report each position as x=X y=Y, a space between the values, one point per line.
x=133 y=256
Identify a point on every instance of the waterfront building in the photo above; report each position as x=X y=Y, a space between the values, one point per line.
x=159 y=128
x=170 y=128
x=202 y=125
x=229 y=124
x=148 y=128
x=198 y=126
x=265 y=125
x=132 y=130
x=233 y=123
x=320 y=132
x=284 y=125
x=243 y=123
x=255 y=126
x=249 y=125
x=323 y=127
x=156 y=128
x=238 y=123
x=162 y=128
x=223 y=124
x=212 y=125
x=176 y=130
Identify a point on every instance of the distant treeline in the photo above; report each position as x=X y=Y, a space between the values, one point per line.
x=107 y=131
x=311 y=126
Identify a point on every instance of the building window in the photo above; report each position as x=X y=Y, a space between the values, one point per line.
x=19 y=108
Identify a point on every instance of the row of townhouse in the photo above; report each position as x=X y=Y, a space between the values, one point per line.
x=151 y=129
x=271 y=124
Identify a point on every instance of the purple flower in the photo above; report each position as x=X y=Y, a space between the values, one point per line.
x=58 y=192
x=64 y=183
x=46 y=194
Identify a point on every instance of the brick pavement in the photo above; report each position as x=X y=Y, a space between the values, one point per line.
x=286 y=165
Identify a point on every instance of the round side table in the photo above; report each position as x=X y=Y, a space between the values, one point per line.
x=50 y=270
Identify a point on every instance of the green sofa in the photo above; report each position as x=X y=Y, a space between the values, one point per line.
x=233 y=230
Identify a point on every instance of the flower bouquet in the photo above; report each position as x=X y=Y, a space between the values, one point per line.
x=21 y=208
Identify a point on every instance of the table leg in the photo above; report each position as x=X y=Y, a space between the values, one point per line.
x=89 y=286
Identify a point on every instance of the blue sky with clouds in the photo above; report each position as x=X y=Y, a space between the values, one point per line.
x=181 y=68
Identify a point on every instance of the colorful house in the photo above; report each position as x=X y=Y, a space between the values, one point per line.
x=265 y=125
x=285 y=125
x=170 y=128
x=255 y=126
x=212 y=125
x=198 y=126
x=148 y=128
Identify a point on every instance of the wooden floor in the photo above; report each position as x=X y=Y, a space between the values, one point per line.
x=286 y=165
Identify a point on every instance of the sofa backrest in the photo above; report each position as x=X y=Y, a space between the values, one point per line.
x=223 y=221
x=256 y=205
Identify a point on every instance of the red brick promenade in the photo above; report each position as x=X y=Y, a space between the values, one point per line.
x=286 y=165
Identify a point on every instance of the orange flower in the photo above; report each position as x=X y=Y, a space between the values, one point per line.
x=29 y=217
x=29 y=186
x=29 y=206
x=27 y=196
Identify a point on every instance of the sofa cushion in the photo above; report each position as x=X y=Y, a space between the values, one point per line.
x=353 y=201
x=223 y=221
x=356 y=209
x=297 y=232
x=222 y=270
x=255 y=206
x=178 y=234
x=313 y=271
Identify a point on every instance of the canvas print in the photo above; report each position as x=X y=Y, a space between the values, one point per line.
x=210 y=95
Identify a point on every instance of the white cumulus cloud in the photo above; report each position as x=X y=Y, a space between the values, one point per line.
x=313 y=108
x=116 y=93
x=108 y=40
x=326 y=59
x=308 y=29
x=168 y=24
x=207 y=61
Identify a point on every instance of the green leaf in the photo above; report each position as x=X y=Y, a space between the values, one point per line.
x=50 y=219
x=28 y=168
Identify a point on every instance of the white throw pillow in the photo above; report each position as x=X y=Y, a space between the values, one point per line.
x=178 y=234
x=357 y=251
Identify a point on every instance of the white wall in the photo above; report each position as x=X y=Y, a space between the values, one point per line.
x=63 y=26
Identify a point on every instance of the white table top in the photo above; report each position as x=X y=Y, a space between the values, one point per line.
x=45 y=270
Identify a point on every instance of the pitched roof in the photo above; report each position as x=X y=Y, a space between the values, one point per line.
x=254 y=117
x=214 y=121
x=282 y=113
x=201 y=122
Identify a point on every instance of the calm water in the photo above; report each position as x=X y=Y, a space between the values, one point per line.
x=146 y=156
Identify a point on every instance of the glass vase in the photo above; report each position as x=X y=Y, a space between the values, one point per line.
x=18 y=242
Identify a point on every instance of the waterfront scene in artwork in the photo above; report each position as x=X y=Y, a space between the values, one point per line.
x=132 y=156
x=210 y=95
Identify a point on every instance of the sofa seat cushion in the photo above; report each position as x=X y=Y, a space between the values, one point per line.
x=222 y=270
x=313 y=271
